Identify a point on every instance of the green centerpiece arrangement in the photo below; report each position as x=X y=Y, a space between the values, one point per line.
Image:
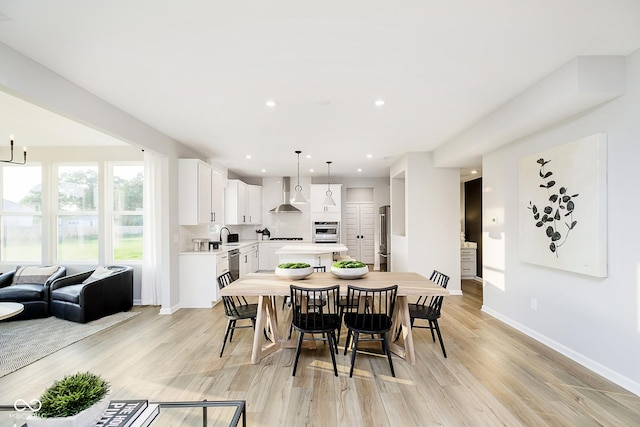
x=294 y=270
x=75 y=400
x=349 y=269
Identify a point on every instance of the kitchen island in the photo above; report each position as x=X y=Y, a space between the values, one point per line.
x=315 y=254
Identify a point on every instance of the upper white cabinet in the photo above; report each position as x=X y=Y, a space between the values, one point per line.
x=217 y=197
x=254 y=194
x=319 y=193
x=243 y=203
x=194 y=178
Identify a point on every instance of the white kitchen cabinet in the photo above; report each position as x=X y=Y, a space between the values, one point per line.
x=194 y=181
x=319 y=193
x=468 y=263
x=217 y=197
x=235 y=202
x=198 y=274
x=254 y=200
x=249 y=259
x=243 y=203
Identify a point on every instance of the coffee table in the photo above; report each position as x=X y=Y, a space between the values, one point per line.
x=10 y=309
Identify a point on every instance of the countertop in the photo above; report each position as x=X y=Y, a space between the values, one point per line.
x=312 y=248
x=223 y=249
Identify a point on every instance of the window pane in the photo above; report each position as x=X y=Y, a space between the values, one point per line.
x=77 y=188
x=78 y=237
x=127 y=237
x=127 y=187
x=22 y=189
x=21 y=238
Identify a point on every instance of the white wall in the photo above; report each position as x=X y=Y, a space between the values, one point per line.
x=594 y=321
x=432 y=219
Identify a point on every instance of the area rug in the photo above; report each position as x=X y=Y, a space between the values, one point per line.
x=24 y=341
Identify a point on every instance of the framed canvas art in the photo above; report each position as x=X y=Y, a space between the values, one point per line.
x=563 y=207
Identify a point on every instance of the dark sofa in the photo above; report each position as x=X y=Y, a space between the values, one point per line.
x=30 y=286
x=109 y=293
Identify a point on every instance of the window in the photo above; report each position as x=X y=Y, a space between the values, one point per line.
x=21 y=213
x=127 y=185
x=77 y=213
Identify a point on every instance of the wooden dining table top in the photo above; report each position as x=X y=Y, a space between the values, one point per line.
x=270 y=284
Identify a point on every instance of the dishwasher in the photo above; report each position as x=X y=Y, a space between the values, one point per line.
x=234 y=263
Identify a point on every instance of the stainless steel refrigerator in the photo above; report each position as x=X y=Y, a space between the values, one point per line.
x=385 y=238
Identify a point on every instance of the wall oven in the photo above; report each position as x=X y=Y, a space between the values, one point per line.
x=326 y=232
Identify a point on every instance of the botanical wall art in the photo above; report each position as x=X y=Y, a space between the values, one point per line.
x=562 y=207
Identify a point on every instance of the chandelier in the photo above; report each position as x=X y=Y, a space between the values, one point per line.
x=24 y=160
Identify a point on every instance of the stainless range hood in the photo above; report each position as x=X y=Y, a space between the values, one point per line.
x=286 y=206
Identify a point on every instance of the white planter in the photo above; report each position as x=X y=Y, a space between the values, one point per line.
x=88 y=417
x=294 y=273
x=349 y=273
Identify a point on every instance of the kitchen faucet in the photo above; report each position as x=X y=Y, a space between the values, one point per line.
x=228 y=232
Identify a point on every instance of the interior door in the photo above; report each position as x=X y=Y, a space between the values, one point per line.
x=360 y=231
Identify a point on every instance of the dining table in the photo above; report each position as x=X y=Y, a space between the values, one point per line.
x=266 y=286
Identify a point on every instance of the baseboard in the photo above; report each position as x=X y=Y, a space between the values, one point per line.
x=579 y=358
x=169 y=310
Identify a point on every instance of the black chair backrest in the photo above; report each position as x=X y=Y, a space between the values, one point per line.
x=312 y=307
x=371 y=308
x=320 y=268
x=231 y=304
x=224 y=279
x=440 y=279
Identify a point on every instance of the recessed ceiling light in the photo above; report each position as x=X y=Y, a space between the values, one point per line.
x=270 y=103
x=308 y=156
x=248 y=156
x=359 y=169
x=311 y=170
x=379 y=102
x=473 y=172
x=263 y=170
x=369 y=156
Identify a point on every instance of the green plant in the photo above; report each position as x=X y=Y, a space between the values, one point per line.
x=72 y=394
x=349 y=264
x=294 y=265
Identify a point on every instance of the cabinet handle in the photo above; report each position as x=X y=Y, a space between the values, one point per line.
x=243 y=218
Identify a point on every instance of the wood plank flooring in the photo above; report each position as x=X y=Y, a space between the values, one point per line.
x=493 y=376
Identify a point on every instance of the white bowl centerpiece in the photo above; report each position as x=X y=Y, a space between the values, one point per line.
x=349 y=269
x=294 y=270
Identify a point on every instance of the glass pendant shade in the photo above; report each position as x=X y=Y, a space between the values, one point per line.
x=298 y=198
x=328 y=201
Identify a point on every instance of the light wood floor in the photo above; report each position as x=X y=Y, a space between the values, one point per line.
x=494 y=375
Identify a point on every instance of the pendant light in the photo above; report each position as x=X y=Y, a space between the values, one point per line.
x=298 y=198
x=328 y=201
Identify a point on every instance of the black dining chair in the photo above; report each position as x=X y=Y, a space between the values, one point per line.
x=235 y=308
x=316 y=269
x=369 y=311
x=429 y=308
x=315 y=311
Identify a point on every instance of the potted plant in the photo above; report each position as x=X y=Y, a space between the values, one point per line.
x=349 y=269
x=294 y=270
x=74 y=401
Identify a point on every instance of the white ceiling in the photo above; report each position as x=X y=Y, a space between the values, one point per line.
x=201 y=71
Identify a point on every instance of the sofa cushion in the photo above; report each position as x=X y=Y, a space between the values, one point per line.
x=69 y=293
x=99 y=273
x=36 y=275
x=22 y=293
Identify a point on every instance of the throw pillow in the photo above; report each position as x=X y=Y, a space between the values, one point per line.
x=99 y=273
x=33 y=275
